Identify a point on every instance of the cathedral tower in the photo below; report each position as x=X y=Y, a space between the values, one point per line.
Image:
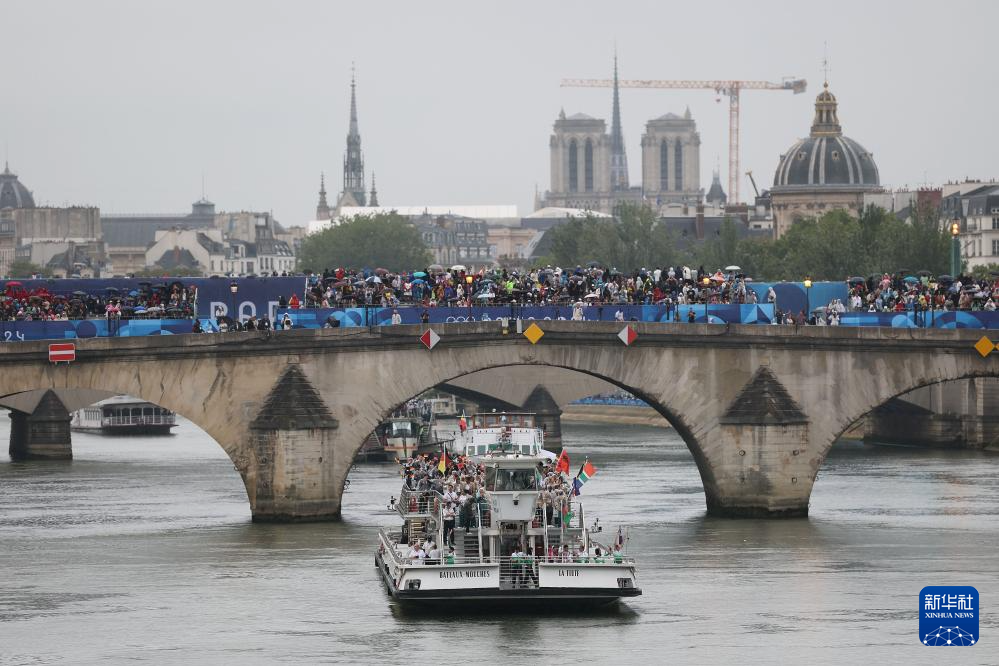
x=353 y=161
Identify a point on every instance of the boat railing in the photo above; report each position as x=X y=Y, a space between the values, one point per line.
x=153 y=419
x=418 y=503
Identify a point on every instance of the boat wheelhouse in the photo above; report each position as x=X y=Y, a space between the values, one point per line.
x=514 y=543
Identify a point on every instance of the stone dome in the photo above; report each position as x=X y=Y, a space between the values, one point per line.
x=13 y=194
x=826 y=158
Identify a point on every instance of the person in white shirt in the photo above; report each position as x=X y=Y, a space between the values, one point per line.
x=416 y=553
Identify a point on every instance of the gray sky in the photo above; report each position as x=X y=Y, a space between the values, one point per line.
x=125 y=104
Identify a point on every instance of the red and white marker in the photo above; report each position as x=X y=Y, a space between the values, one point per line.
x=62 y=352
x=627 y=335
x=430 y=338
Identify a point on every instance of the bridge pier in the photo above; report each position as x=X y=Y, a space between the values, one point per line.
x=547 y=416
x=755 y=462
x=295 y=474
x=43 y=434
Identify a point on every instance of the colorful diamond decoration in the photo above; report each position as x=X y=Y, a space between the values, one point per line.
x=627 y=335
x=984 y=346
x=533 y=333
x=430 y=338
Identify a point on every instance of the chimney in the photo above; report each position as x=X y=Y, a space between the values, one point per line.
x=699 y=222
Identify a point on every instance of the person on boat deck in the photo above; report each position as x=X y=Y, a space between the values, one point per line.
x=517 y=567
x=434 y=554
x=449 y=522
x=532 y=577
x=416 y=553
x=565 y=555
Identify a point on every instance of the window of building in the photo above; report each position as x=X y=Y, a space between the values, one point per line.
x=678 y=166
x=995 y=248
x=573 y=167
x=995 y=222
x=588 y=166
x=664 y=165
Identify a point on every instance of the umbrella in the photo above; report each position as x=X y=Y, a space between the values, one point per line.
x=856 y=280
x=133 y=293
x=485 y=295
x=593 y=264
x=924 y=273
x=79 y=293
x=374 y=279
x=945 y=278
x=381 y=271
x=419 y=274
x=112 y=290
x=911 y=279
x=732 y=268
x=718 y=278
x=419 y=281
x=458 y=267
x=435 y=268
x=591 y=296
x=159 y=286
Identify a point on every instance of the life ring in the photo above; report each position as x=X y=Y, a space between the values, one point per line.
x=431 y=525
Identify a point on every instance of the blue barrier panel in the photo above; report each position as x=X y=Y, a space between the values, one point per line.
x=14 y=331
x=792 y=297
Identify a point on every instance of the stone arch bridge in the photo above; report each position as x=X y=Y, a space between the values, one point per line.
x=758 y=406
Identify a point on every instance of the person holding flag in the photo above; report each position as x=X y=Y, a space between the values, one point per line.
x=562 y=464
x=462 y=423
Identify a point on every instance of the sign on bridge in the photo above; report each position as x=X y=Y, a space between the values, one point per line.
x=62 y=352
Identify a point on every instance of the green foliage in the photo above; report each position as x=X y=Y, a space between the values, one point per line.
x=634 y=240
x=385 y=240
x=986 y=272
x=25 y=269
x=838 y=246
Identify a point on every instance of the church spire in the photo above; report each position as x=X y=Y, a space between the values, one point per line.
x=373 y=201
x=619 y=159
x=353 y=160
x=323 y=209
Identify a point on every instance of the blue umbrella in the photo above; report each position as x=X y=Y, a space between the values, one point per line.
x=419 y=281
x=911 y=279
x=419 y=274
x=133 y=293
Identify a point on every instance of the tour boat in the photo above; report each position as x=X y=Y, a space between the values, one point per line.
x=122 y=415
x=508 y=549
x=402 y=436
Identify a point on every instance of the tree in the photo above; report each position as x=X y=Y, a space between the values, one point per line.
x=633 y=240
x=25 y=269
x=384 y=240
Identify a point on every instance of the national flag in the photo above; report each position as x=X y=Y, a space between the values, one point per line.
x=576 y=485
x=462 y=423
x=562 y=465
x=567 y=514
x=442 y=465
x=586 y=472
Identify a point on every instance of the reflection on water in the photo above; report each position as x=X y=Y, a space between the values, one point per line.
x=142 y=549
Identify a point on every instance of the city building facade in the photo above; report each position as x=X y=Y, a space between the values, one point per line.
x=823 y=172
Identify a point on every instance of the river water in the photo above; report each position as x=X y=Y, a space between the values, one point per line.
x=142 y=550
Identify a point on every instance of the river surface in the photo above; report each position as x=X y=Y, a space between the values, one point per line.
x=142 y=550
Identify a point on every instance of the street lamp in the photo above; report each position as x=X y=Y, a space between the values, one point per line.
x=955 y=248
x=233 y=288
x=808 y=301
x=707 y=283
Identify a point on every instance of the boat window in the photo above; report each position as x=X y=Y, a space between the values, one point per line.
x=402 y=429
x=510 y=479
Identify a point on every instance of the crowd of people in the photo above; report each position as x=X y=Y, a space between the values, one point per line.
x=459 y=287
x=148 y=301
x=461 y=496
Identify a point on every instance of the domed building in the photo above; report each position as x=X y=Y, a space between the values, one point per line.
x=13 y=194
x=823 y=172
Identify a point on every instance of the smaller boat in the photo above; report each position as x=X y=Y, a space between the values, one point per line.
x=123 y=415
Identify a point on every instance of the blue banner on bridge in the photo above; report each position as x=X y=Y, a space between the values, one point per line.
x=15 y=331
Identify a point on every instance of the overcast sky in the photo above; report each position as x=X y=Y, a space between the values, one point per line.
x=126 y=104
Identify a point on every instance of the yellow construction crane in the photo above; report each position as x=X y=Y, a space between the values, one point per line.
x=730 y=88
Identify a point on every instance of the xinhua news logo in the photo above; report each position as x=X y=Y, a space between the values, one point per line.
x=948 y=615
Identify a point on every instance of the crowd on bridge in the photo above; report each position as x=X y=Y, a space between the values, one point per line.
x=458 y=287
x=148 y=301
